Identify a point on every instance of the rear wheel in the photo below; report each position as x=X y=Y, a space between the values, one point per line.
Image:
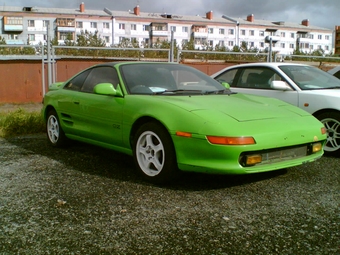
x=331 y=120
x=55 y=133
x=154 y=153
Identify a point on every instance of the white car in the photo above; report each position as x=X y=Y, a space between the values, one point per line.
x=305 y=86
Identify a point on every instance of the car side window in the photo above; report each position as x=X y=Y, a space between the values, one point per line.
x=102 y=74
x=77 y=82
x=337 y=74
x=228 y=77
x=257 y=78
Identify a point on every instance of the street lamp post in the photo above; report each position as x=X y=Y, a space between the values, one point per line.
x=237 y=28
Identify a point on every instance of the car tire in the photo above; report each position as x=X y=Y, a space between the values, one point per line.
x=154 y=153
x=55 y=133
x=331 y=120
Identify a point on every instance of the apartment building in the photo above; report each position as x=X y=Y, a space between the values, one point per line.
x=30 y=25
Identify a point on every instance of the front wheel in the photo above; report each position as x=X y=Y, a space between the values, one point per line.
x=55 y=133
x=154 y=153
x=331 y=120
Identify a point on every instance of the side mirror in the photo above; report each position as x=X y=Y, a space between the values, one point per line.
x=224 y=83
x=280 y=85
x=107 y=89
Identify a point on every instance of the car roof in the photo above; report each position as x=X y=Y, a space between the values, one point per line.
x=269 y=64
x=132 y=62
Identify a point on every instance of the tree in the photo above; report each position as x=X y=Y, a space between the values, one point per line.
x=88 y=39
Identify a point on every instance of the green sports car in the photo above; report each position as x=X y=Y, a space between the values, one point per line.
x=172 y=117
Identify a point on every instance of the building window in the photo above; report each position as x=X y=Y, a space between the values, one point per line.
x=320 y=37
x=133 y=27
x=221 y=31
x=185 y=29
x=146 y=27
x=173 y=28
x=93 y=24
x=326 y=37
x=311 y=47
x=230 y=31
x=211 y=43
x=107 y=39
x=14 y=21
x=311 y=36
x=184 y=41
x=79 y=24
x=291 y=45
x=31 y=37
x=283 y=45
x=106 y=25
x=261 y=33
x=243 y=32
x=63 y=35
x=251 y=32
x=45 y=23
x=230 y=43
x=283 y=34
x=210 y=30
x=251 y=44
x=262 y=44
x=30 y=23
x=122 y=26
x=292 y=35
x=326 y=47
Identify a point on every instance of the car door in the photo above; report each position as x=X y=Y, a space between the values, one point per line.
x=100 y=116
x=257 y=81
x=68 y=107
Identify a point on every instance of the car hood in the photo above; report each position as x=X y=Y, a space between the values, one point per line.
x=240 y=107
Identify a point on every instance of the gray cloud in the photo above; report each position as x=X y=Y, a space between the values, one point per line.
x=320 y=13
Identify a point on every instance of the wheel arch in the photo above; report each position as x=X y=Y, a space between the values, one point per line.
x=328 y=110
x=139 y=122
x=48 y=108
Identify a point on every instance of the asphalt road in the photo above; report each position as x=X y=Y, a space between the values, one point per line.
x=88 y=200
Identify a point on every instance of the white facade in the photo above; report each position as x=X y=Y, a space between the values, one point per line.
x=114 y=26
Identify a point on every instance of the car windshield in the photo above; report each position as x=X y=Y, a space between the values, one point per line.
x=168 y=79
x=310 y=78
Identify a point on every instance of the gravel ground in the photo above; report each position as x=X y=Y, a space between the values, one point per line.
x=88 y=200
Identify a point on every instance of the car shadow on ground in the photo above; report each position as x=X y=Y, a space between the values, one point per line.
x=94 y=160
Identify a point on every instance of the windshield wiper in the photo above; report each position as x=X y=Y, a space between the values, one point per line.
x=175 y=91
x=221 y=91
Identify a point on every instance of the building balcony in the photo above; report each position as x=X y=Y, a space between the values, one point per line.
x=159 y=33
x=200 y=34
x=14 y=42
x=66 y=29
x=13 y=28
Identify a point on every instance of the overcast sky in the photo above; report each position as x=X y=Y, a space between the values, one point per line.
x=321 y=13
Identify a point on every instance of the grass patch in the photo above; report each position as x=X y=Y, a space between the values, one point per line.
x=21 y=122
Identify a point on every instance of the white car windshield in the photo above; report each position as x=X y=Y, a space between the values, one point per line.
x=310 y=78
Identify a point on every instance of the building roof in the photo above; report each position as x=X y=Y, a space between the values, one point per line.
x=42 y=10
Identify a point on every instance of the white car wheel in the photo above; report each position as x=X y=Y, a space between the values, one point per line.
x=332 y=124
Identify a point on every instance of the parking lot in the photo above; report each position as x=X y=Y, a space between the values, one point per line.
x=88 y=200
